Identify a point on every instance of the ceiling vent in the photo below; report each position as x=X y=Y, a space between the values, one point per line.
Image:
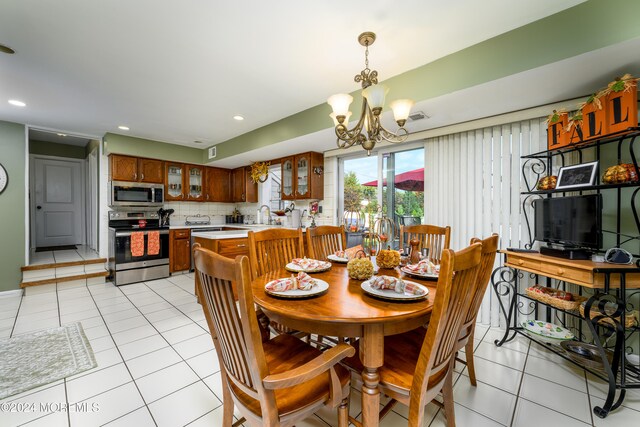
x=212 y=152
x=417 y=115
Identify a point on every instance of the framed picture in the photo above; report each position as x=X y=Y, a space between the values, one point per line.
x=582 y=175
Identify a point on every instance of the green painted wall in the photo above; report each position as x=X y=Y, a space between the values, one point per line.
x=93 y=144
x=583 y=28
x=140 y=147
x=60 y=150
x=12 y=228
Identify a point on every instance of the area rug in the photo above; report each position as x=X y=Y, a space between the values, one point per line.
x=31 y=360
x=56 y=248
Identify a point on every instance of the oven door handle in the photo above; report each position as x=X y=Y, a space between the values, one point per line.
x=128 y=233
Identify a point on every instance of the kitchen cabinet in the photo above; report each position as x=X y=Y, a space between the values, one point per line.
x=174 y=181
x=135 y=169
x=303 y=176
x=195 y=177
x=243 y=189
x=218 y=185
x=179 y=250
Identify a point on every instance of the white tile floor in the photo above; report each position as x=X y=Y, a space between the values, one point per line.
x=48 y=257
x=157 y=366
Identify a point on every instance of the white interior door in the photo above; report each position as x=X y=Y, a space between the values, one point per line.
x=58 y=202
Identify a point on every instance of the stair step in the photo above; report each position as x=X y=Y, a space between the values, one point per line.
x=64 y=279
x=63 y=264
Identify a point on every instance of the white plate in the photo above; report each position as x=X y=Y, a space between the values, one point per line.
x=546 y=332
x=320 y=287
x=335 y=258
x=296 y=268
x=416 y=274
x=393 y=295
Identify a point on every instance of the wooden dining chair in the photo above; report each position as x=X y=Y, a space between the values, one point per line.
x=325 y=240
x=274 y=383
x=274 y=248
x=465 y=340
x=419 y=364
x=433 y=237
x=271 y=250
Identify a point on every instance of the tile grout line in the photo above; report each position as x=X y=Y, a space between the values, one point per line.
x=200 y=379
x=15 y=320
x=123 y=362
x=589 y=399
x=515 y=406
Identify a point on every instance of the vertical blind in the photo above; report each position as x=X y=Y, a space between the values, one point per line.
x=473 y=184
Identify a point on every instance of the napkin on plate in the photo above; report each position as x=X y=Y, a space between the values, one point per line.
x=423 y=267
x=349 y=253
x=396 y=284
x=302 y=282
x=308 y=263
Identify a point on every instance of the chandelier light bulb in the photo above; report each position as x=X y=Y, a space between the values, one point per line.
x=340 y=103
x=401 y=109
x=375 y=95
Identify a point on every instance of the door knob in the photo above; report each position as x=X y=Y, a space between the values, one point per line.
x=38 y=207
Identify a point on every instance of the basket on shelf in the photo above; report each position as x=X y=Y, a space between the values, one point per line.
x=630 y=318
x=553 y=301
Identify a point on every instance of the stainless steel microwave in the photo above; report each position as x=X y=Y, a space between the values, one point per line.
x=122 y=193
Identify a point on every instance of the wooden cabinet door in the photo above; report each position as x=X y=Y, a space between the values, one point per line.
x=237 y=191
x=251 y=188
x=218 y=187
x=180 y=250
x=174 y=181
x=124 y=168
x=150 y=170
x=194 y=186
x=288 y=179
x=316 y=176
x=302 y=176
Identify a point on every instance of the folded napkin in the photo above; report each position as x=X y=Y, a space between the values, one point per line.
x=349 y=253
x=309 y=264
x=395 y=284
x=423 y=267
x=302 y=282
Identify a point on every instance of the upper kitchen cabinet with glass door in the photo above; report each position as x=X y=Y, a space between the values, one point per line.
x=195 y=180
x=174 y=181
x=288 y=179
x=303 y=176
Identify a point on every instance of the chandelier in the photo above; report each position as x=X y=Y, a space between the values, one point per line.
x=368 y=131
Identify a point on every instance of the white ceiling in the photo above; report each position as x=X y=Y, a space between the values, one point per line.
x=178 y=71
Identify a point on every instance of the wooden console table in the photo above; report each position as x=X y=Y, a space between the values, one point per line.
x=609 y=282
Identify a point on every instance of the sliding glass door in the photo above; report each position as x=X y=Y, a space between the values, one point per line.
x=389 y=186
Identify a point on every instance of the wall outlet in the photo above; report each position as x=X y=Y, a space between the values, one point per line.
x=320 y=209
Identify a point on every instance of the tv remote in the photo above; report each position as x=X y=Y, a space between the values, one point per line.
x=528 y=251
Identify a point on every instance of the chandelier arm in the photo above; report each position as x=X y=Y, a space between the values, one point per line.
x=352 y=136
x=400 y=136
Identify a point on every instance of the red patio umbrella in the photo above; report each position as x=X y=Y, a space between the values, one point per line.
x=409 y=181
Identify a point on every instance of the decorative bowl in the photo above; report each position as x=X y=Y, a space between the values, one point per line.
x=546 y=332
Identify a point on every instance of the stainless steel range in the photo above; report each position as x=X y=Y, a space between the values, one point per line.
x=138 y=247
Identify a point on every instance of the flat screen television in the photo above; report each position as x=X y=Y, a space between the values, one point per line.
x=569 y=221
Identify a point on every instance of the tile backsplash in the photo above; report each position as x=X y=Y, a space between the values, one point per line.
x=216 y=211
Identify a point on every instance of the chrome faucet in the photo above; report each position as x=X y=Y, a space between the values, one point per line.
x=268 y=213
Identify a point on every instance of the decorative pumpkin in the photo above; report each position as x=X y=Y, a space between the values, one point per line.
x=547 y=183
x=388 y=258
x=619 y=174
x=360 y=268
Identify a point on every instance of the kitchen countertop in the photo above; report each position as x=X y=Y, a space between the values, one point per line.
x=234 y=234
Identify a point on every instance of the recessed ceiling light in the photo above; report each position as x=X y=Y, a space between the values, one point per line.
x=123 y=127
x=6 y=49
x=17 y=103
x=238 y=118
x=62 y=134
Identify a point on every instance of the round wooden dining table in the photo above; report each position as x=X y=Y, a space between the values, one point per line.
x=345 y=310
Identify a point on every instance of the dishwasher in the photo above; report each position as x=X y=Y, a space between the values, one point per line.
x=199 y=220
